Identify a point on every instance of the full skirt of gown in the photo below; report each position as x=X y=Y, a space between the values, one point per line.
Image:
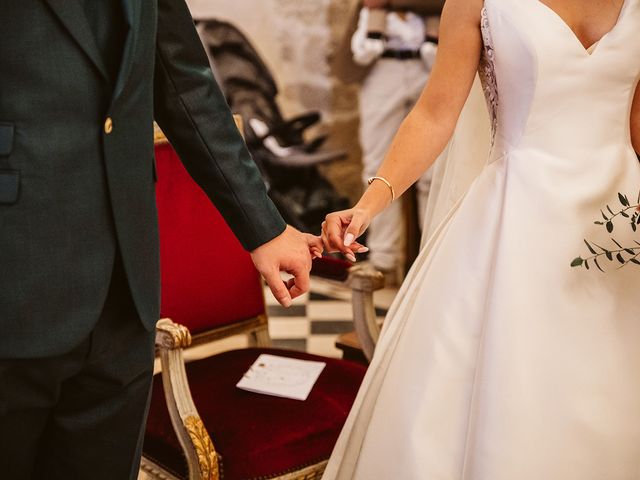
x=498 y=360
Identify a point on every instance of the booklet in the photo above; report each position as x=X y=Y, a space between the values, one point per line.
x=281 y=376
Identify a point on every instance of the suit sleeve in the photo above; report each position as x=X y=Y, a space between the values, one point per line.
x=192 y=112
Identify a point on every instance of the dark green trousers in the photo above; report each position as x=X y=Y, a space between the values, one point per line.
x=80 y=415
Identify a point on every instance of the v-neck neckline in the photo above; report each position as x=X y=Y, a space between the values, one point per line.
x=591 y=49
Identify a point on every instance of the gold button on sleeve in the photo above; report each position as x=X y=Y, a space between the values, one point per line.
x=108 y=125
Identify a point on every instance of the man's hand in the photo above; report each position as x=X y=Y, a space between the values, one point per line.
x=289 y=252
x=340 y=229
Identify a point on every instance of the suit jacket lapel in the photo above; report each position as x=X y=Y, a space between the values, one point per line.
x=72 y=16
x=132 y=16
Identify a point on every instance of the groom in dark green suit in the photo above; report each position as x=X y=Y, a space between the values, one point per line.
x=80 y=84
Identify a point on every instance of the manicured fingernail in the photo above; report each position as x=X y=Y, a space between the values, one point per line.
x=348 y=239
x=363 y=250
x=318 y=255
x=286 y=302
x=350 y=256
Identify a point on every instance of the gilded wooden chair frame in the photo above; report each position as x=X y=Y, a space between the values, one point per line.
x=171 y=340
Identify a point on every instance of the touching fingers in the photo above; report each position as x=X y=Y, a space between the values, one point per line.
x=315 y=245
x=339 y=233
x=314 y=241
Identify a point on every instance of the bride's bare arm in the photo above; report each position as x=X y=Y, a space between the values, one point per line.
x=427 y=129
x=635 y=121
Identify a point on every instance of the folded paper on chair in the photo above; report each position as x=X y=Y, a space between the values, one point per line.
x=281 y=377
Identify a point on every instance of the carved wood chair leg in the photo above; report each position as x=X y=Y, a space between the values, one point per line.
x=196 y=444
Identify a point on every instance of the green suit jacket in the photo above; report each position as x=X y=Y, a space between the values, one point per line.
x=77 y=165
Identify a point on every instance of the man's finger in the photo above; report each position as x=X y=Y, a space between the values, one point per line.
x=294 y=291
x=315 y=242
x=315 y=245
x=278 y=287
x=301 y=282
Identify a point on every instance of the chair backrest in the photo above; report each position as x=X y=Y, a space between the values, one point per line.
x=208 y=280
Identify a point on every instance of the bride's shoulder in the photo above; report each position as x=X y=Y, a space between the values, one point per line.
x=463 y=11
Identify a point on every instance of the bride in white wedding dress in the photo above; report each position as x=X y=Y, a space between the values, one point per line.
x=498 y=361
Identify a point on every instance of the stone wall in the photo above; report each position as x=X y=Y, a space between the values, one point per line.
x=296 y=38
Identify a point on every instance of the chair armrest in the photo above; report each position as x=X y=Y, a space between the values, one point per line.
x=196 y=444
x=362 y=280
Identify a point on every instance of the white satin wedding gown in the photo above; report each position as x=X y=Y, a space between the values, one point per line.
x=498 y=360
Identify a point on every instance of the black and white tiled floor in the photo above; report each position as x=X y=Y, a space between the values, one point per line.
x=315 y=320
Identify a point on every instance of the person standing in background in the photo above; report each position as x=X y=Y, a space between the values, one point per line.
x=394 y=45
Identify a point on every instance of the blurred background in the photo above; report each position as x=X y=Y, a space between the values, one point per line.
x=297 y=41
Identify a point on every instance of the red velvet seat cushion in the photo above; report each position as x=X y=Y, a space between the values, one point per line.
x=258 y=436
x=204 y=269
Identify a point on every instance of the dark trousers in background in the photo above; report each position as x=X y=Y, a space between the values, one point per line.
x=80 y=415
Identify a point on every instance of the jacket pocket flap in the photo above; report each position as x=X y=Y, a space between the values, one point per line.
x=6 y=139
x=9 y=186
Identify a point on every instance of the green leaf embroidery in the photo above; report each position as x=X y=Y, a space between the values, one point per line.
x=629 y=211
x=623 y=200
x=595 y=260
x=577 y=262
x=590 y=247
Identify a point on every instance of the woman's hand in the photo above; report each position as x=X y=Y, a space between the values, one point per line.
x=425 y=132
x=341 y=229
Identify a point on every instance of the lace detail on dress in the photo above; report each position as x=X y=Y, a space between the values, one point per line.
x=487 y=73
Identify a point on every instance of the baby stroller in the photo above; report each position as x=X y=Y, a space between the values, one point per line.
x=288 y=162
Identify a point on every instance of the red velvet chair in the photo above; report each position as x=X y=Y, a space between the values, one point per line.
x=200 y=425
